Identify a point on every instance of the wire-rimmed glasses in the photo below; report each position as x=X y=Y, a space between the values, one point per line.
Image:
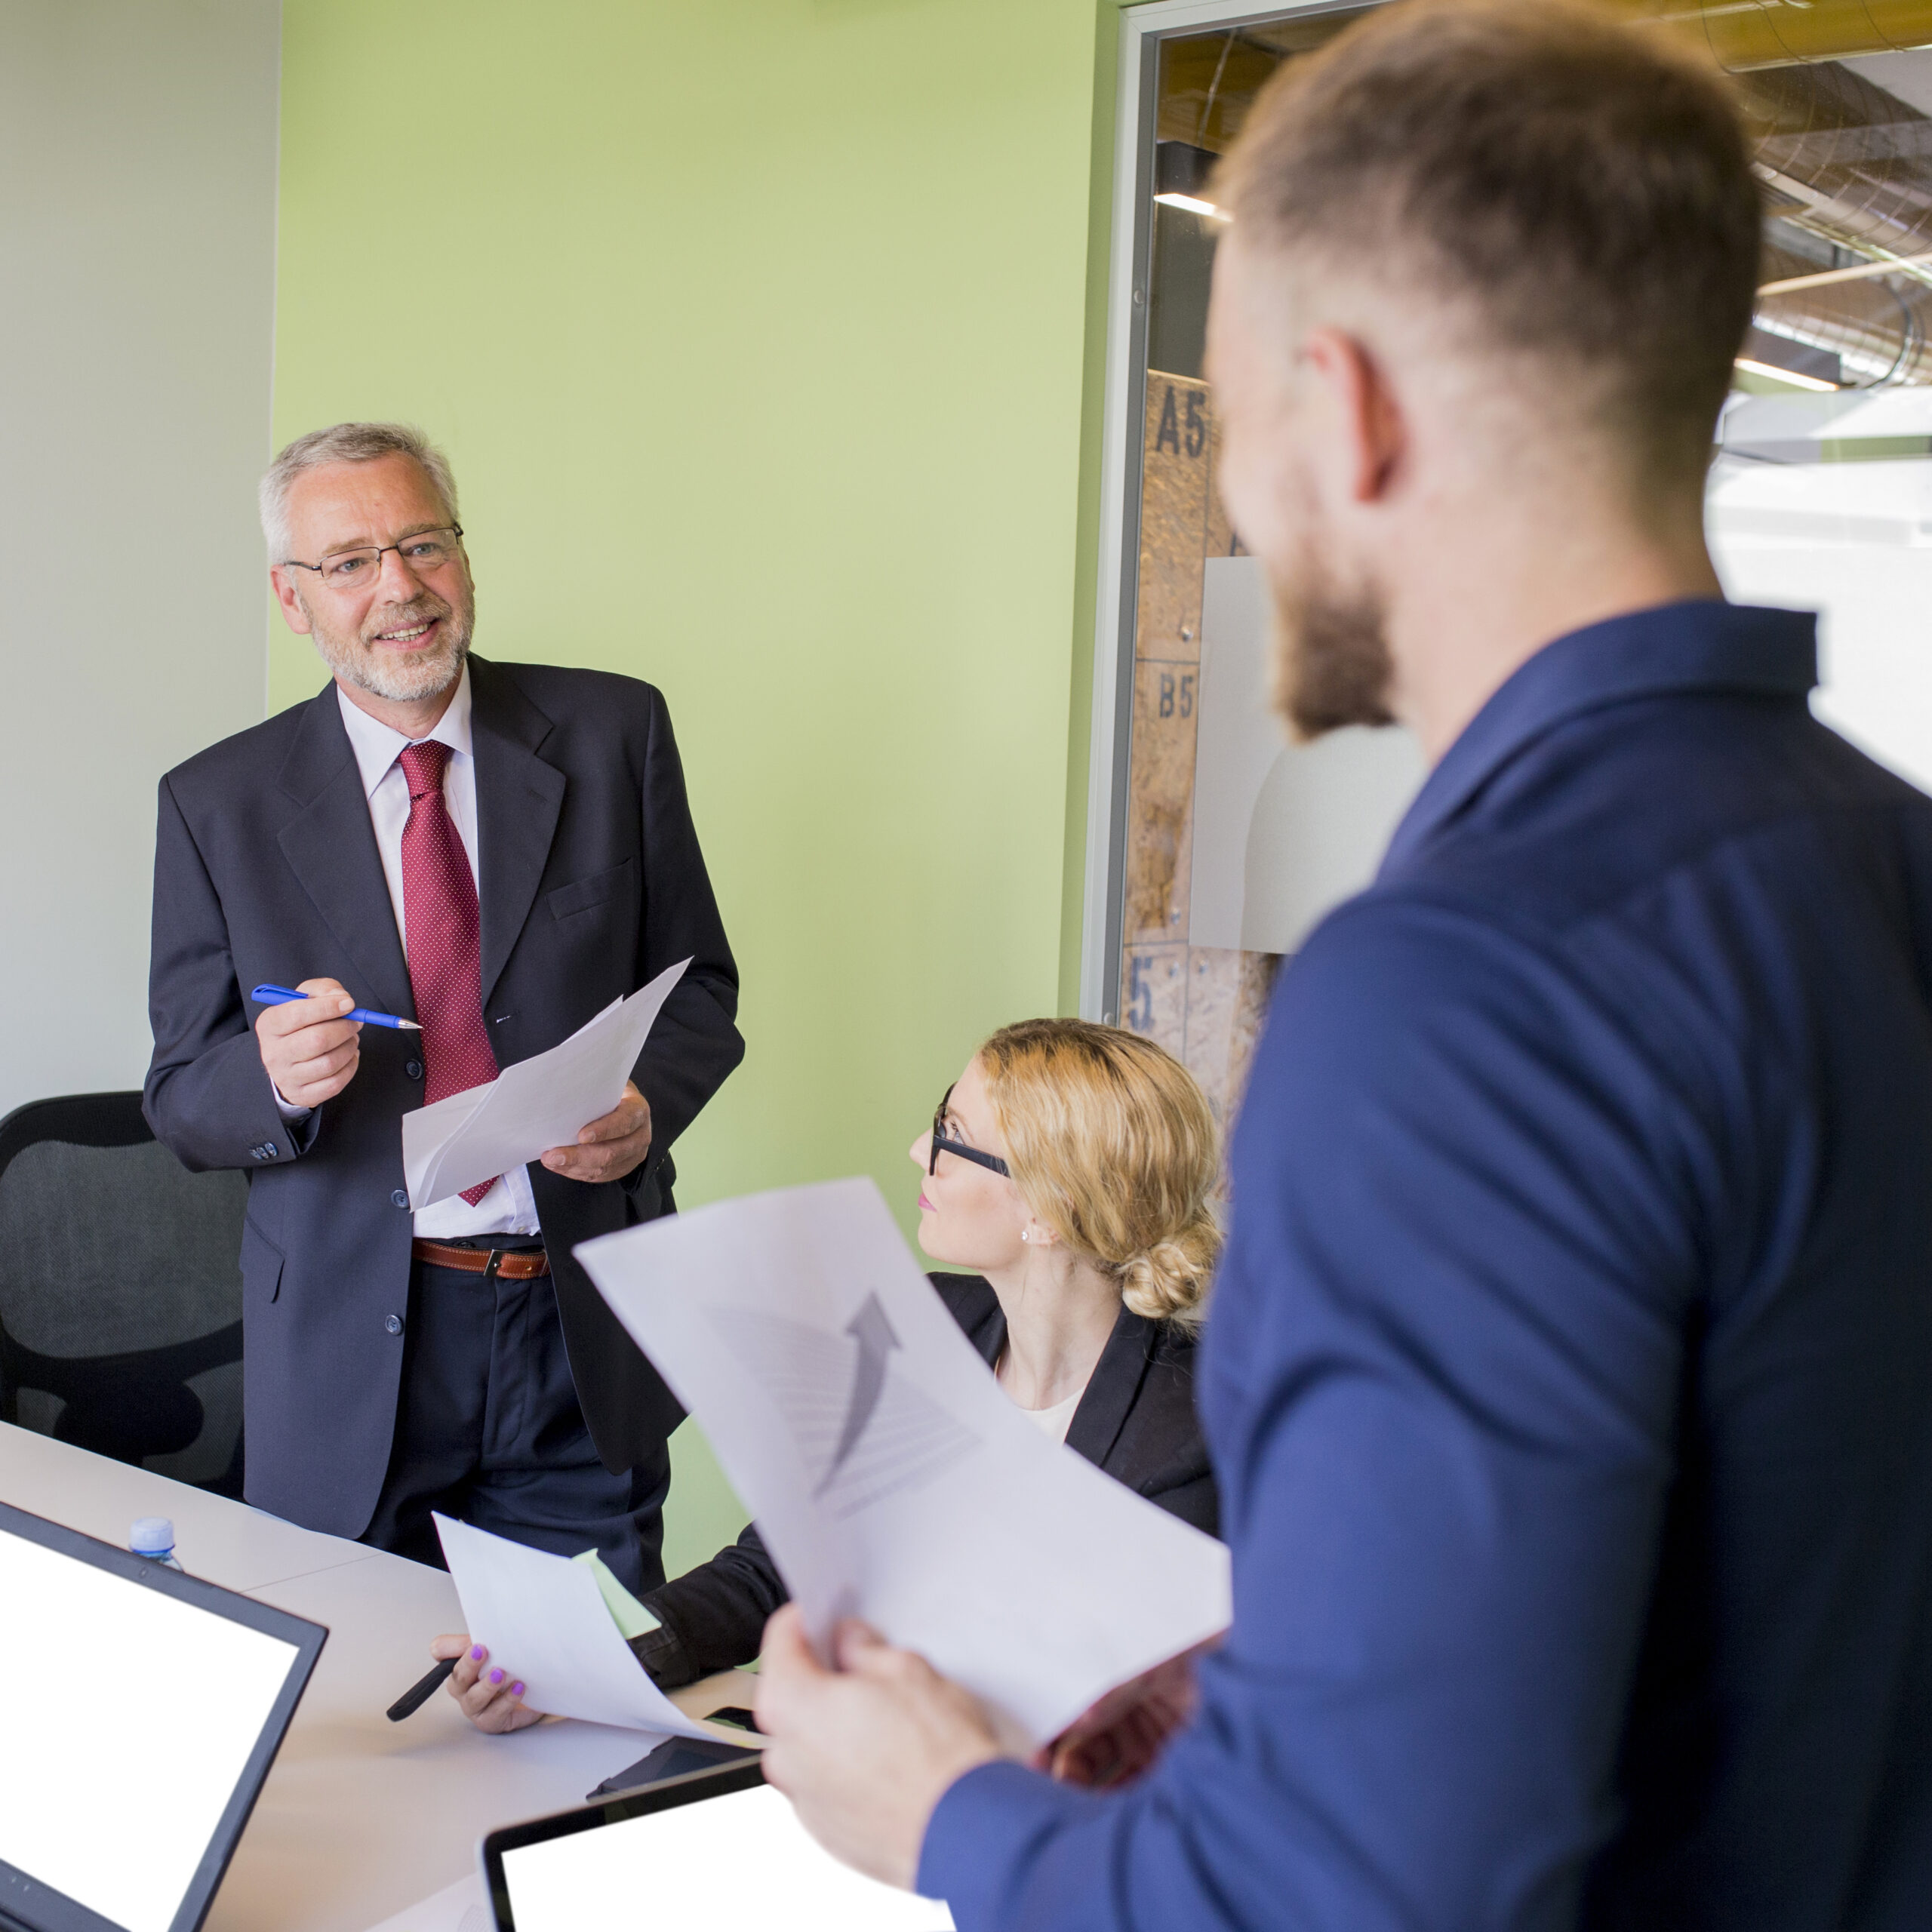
x=351 y=570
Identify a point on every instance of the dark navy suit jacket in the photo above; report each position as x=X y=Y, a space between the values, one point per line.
x=1569 y=1376
x=266 y=870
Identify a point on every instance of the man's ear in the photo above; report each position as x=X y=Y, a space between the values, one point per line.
x=293 y=614
x=1363 y=414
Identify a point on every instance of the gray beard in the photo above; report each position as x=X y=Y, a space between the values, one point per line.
x=402 y=680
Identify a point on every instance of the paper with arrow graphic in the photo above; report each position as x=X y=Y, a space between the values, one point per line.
x=890 y=1475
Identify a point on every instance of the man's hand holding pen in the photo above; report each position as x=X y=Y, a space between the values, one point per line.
x=310 y=1049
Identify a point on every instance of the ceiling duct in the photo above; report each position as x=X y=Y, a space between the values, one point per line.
x=1876 y=328
x=1847 y=172
x=1847 y=167
x=1745 y=35
x=1842 y=157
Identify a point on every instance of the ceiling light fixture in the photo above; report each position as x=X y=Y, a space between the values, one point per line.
x=1901 y=264
x=1181 y=172
x=1790 y=375
x=1194 y=206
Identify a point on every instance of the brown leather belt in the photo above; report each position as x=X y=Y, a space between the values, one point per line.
x=512 y=1264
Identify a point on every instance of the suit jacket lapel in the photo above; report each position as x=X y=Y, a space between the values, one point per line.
x=518 y=797
x=1111 y=1393
x=331 y=846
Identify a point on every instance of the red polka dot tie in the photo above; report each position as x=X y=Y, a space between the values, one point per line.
x=439 y=912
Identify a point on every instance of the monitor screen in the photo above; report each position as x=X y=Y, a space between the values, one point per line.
x=117 y=1684
x=739 y=1862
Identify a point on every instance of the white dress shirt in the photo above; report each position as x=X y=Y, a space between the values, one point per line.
x=509 y=1207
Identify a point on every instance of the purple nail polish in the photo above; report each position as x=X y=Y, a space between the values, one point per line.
x=495 y=1677
x=476 y=1653
x=516 y=1690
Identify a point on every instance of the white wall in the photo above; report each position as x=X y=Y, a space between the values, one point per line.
x=1851 y=539
x=1282 y=832
x=138 y=181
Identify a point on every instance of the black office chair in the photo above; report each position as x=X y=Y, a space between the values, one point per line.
x=120 y=1290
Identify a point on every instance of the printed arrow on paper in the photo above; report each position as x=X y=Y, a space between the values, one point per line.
x=873 y=1332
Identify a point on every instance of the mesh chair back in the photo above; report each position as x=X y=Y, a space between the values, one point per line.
x=120 y=1290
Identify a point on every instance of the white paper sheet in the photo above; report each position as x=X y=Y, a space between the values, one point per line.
x=889 y=1474
x=538 y=1103
x=543 y=1617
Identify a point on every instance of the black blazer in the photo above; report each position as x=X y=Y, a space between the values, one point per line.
x=266 y=869
x=1135 y=1421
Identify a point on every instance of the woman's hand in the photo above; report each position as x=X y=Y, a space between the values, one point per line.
x=491 y=1700
x=1117 y=1739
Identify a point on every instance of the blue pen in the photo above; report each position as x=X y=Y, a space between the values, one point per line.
x=282 y=995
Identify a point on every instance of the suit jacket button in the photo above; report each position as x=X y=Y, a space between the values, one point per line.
x=414 y=1069
x=255 y=1154
x=393 y=1323
x=268 y=1150
x=399 y=1198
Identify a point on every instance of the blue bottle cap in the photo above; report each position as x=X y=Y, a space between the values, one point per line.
x=152 y=1536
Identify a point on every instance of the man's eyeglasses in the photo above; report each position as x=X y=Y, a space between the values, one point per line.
x=944 y=1142
x=350 y=570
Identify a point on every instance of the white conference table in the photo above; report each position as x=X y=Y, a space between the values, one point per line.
x=360 y=1818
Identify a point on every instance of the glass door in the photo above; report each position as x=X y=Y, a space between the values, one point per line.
x=1215 y=845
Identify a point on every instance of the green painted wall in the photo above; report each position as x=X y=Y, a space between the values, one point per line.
x=761 y=334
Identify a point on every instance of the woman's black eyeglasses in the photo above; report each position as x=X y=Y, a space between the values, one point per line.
x=943 y=1142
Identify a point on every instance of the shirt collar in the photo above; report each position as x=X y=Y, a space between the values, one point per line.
x=1702 y=644
x=377 y=747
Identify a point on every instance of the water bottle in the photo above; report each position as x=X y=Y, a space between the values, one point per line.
x=153 y=1537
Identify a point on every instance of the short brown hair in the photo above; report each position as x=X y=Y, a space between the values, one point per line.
x=1112 y=1145
x=1579 y=189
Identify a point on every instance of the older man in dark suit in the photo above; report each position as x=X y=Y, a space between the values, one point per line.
x=496 y=851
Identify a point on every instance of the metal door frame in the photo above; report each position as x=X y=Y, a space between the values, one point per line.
x=1142 y=28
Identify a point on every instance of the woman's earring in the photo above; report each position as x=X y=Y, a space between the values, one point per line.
x=1024 y=1236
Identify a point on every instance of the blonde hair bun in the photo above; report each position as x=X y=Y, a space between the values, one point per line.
x=1169 y=1282
x=1111 y=1144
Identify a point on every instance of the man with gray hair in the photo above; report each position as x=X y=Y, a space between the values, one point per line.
x=496 y=851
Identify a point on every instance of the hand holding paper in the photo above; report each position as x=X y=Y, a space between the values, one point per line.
x=547 y=1617
x=533 y=1105
x=609 y=1147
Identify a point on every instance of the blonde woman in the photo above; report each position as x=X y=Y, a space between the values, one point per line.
x=1069 y=1169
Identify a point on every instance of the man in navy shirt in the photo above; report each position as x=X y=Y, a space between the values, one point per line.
x=1569 y=1376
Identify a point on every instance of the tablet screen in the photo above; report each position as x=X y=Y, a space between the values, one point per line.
x=130 y=1718
x=740 y=1861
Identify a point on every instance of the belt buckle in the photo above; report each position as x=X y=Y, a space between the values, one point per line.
x=490 y=1267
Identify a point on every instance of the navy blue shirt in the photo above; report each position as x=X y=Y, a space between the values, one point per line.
x=1569 y=1373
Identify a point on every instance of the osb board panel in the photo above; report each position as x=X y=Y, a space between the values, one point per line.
x=1173 y=519
x=1153 y=995
x=1222 y=541
x=1205 y=1006
x=1159 y=812
x=1227 y=1000
x=1208 y=82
